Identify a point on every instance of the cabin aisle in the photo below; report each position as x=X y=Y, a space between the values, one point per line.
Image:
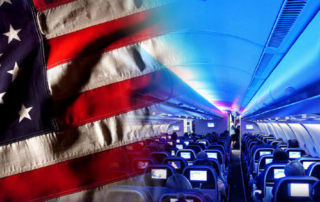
x=236 y=182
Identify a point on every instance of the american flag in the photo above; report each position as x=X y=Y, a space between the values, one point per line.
x=72 y=74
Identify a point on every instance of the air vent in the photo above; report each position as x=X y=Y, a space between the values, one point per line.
x=264 y=63
x=289 y=15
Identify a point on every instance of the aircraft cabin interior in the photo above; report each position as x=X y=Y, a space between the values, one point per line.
x=173 y=101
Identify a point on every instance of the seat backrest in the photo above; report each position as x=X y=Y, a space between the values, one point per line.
x=187 y=154
x=203 y=141
x=159 y=155
x=152 y=148
x=179 y=145
x=171 y=142
x=123 y=193
x=157 y=175
x=217 y=154
x=293 y=188
x=215 y=162
x=202 y=146
x=140 y=163
x=195 y=148
x=272 y=172
x=201 y=176
x=162 y=145
x=178 y=163
x=264 y=160
x=315 y=191
x=307 y=161
x=314 y=170
x=260 y=152
x=295 y=153
x=191 y=195
x=219 y=147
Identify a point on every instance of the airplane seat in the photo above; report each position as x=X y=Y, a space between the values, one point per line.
x=195 y=148
x=314 y=170
x=178 y=163
x=295 y=153
x=272 y=172
x=255 y=159
x=174 y=151
x=123 y=193
x=191 y=195
x=263 y=161
x=159 y=155
x=282 y=146
x=203 y=147
x=157 y=175
x=315 y=192
x=140 y=163
x=306 y=161
x=203 y=178
x=216 y=166
x=187 y=154
x=180 y=145
x=217 y=154
x=152 y=148
x=293 y=143
x=219 y=147
x=293 y=188
x=171 y=142
x=203 y=141
x=162 y=145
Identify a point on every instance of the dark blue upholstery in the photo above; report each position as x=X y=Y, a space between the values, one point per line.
x=210 y=183
x=160 y=155
x=314 y=170
x=183 y=162
x=148 y=181
x=281 y=191
x=144 y=159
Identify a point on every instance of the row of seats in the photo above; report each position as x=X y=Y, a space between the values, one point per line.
x=278 y=170
x=155 y=160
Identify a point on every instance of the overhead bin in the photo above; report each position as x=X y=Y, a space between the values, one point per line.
x=297 y=72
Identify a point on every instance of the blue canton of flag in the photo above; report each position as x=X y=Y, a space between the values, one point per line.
x=26 y=108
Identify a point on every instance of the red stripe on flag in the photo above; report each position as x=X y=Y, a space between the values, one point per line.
x=104 y=37
x=45 y=4
x=114 y=99
x=67 y=177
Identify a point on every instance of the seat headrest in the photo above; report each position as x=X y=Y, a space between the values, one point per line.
x=280 y=155
x=293 y=188
x=293 y=143
x=201 y=176
x=157 y=175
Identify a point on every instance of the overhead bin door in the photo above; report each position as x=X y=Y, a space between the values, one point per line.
x=314 y=131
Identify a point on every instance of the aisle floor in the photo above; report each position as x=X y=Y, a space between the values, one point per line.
x=237 y=186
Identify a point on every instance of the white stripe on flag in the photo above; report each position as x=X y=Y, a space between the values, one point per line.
x=81 y=14
x=80 y=141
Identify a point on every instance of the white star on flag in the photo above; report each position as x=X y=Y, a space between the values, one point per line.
x=2 y=1
x=14 y=72
x=12 y=34
x=1 y=96
x=24 y=113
